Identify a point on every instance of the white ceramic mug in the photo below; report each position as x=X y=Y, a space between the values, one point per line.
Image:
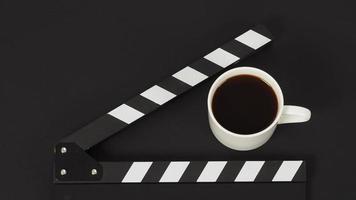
x=285 y=114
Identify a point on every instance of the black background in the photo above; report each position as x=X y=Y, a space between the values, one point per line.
x=64 y=63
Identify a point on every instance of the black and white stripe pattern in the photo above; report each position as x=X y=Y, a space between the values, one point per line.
x=171 y=87
x=204 y=171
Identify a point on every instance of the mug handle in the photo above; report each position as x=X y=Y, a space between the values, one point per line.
x=294 y=114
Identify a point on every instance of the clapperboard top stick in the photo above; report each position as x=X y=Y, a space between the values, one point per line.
x=74 y=165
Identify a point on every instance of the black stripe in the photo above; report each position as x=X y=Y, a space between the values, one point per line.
x=114 y=172
x=301 y=175
x=142 y=104
x=268 y=170
x=174 y=85
x=155 y=172
x=230 y=171
x=263 y=31
x=96 y=131
x=237 y=48
x=193 y=171
x=206 y=67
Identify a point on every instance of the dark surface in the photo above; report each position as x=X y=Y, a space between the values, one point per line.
x=65 y=63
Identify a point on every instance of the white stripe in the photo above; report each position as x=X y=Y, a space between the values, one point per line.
x=136 y=172
x=221 y=57
x=190 y=76
x=253 y=39
x=158 y=95
x=287 y=171
x=174 y=171
x=211 y=171
x=126 y=113
x=249 y=171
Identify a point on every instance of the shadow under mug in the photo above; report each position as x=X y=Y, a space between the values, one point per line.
x=244 y=142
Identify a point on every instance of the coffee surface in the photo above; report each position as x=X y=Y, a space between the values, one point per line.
x=244 y=104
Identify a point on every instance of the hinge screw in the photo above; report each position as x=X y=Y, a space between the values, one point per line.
x=63 y=150
x=94 y=172
x=63 y=172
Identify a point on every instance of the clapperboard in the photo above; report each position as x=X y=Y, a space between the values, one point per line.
x=74 y=166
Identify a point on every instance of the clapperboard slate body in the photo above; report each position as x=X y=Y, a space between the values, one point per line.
x=270 y=178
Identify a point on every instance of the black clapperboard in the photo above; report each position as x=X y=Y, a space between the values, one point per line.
x=277 y=179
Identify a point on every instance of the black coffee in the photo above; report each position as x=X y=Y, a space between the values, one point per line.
x=245 y=104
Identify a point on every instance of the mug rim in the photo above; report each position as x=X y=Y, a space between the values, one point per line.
x=231 y=73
